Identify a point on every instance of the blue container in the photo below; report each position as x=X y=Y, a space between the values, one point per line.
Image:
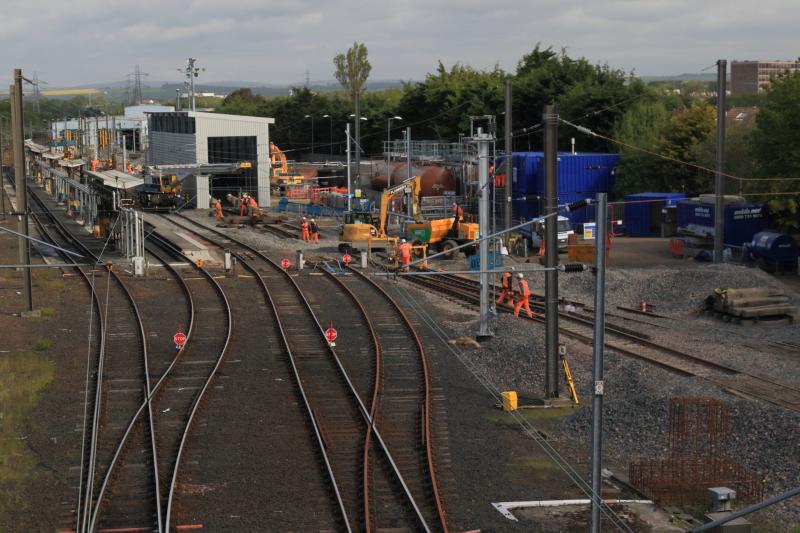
x=579 y=176
x=643 y=217
x=774 y=247
x=495 y=261
x=742 y=220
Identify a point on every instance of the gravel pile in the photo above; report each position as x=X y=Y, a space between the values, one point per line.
x=764 y=438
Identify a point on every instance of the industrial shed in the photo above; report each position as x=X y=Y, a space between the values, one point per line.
x=193 y=137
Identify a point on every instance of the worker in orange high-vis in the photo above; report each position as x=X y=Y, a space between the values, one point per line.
x=507 y=292
x=95 y=163
x=524 y=294
x=252 y=206
x=304 y=230
x=243 y=204
x=313 y=231
x=130 y=168
x=405 y=253
x=218 y=209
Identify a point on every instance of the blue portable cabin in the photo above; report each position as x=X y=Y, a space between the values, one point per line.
x=580 y=175
x=742 y=220
x=642 y=214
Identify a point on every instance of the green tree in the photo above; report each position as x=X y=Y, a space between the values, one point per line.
x=643 y=126
x=687 y=130
x=352 y=71
x=775 y=149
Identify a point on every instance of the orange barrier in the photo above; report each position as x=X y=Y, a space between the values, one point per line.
x=677 y=247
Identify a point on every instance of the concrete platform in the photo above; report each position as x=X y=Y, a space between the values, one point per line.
x=190 y=245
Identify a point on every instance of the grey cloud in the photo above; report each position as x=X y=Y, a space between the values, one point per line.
x=70 y=43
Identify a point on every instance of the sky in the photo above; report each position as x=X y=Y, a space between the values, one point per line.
x=94 y=41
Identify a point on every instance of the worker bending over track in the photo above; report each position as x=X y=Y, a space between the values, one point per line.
x=304 y=230
x=507 y=292
x=524 y=294
x=405 y=253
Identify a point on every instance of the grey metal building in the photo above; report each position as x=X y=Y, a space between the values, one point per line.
x=193 y=137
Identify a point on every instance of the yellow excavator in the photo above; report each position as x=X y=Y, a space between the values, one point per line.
x=363 y=228
x=281 y=177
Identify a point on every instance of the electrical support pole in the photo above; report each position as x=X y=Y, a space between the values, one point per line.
x=22 y=193
x=349 y=167
x=408 y=153
x=550 y=119
x=509 y=155
x=719 y=181
x=597 y=358
x=484 y=141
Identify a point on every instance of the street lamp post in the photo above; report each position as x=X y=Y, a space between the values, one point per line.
x=330 y=137
x=312 y=135
x=389 y=150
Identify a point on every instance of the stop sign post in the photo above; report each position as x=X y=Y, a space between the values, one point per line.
x=285 y=264
x=179 y=339
x=331 y=335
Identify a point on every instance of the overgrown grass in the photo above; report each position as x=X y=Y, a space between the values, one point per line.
x=533 y=416
x=43 y=344
x=48 y=311
x=22 y=378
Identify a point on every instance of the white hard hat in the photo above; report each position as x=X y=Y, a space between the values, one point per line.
x=520 y=276
x=304 y=218
x=402 y=240
x=512 y=269
x=312 y=220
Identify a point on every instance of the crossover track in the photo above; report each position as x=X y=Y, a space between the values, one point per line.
x=121 y=385
x=343 y=426
x=118 y=492
x=636 y=344
x=401 y=395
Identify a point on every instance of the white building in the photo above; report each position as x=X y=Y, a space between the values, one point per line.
x=186 y=137
x=98 y=135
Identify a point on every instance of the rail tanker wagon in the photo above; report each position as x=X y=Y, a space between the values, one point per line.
x=742 y=220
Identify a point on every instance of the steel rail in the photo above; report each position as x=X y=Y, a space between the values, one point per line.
x=101 y=336
x=364 y=412
x=143 y=339
x=428 y=387
x=465 y=295
x=295 y=371
x=199 y=397
x=373 y=408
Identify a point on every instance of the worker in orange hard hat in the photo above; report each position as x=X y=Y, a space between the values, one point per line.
x=507 y=292
x=304 y=230
x=252 y=206
x=405 y=253
x=218 y=209
x=524 y=294
x=313 y=231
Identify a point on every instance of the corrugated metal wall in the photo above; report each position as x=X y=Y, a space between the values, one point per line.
x=172 y=148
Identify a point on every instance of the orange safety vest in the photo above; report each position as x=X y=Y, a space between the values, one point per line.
x=507 y=280
x=304 y=227
x=405 y=249
x=251 y=202
x=523 y=288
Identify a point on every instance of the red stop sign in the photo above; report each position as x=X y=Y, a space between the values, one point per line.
x=346 y=259
x=285 y=264
x=179 y=338
x=331 y=334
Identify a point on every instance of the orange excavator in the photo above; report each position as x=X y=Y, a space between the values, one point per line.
x=281 y=177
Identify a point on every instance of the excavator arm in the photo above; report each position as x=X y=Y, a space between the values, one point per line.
x=415 y=184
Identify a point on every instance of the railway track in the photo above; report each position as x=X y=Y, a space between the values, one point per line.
x=119 y=388
x=636 y=344
x=400 y=403
x=348 y=435
x=130 y=479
